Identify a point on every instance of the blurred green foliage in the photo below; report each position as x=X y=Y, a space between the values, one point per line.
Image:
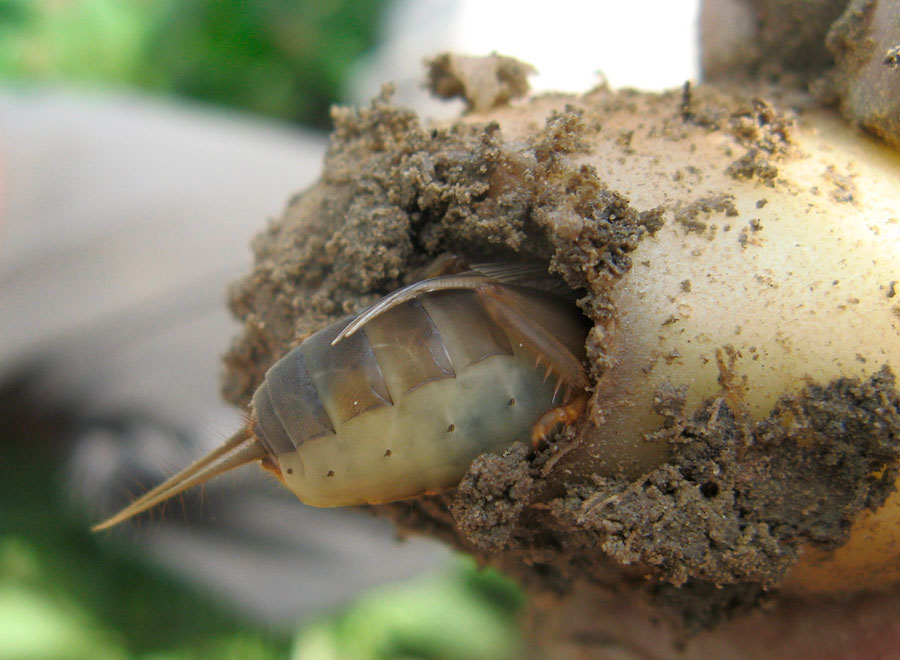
x=465 y=614
x=281 y=58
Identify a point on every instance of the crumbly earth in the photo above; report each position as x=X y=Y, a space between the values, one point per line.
x=866 y=80
x=715 y=526
x=483 y=82
x=846 y=51
x=394 y=195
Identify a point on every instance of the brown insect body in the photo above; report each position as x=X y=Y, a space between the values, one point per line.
x=398 y=401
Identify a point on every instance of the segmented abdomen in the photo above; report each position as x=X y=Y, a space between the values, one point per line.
x=402 y=406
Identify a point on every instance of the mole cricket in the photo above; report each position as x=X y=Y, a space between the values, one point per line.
x=398 y=401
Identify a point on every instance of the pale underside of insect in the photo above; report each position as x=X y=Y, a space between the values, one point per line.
x=397 y=402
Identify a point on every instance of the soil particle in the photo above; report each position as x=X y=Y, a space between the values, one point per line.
x=735 y=503
x=484 y=519
x=843 y=190
x=892 y=57
x=760 y=126
x=766 y=134
x=750 y=165
x=755 y=123
x=762 y=131
x=394 y=195
x=688 y=216
x=483 y=83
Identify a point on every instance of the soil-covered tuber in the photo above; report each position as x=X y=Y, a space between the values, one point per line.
x=738 y=256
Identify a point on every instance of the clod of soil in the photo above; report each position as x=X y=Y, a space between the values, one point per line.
x=484 y=83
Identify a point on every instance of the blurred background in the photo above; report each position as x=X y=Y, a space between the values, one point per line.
x=142 y=144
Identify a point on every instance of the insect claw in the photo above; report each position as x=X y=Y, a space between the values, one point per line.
x=547 y=373
x=556 y=389
x=538 y=439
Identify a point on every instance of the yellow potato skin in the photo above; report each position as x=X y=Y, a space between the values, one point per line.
x=868 y=561
x=791 y=278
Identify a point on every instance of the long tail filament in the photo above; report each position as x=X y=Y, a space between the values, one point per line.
x=239 y=449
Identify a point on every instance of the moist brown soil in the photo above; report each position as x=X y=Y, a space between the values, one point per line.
x=706 y=534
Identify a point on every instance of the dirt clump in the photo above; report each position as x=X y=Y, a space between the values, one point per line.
x=395 y=194
x=484 y=83
x=726 y=516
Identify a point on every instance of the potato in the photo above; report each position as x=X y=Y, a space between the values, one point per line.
x=799 y=285
x=738 y=255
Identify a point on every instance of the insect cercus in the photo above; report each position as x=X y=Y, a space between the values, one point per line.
x=398 y=401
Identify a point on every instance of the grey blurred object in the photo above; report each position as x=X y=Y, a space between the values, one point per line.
x=845 y=52
x=122 y=221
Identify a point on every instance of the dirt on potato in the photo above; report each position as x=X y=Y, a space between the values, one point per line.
x=845 y=51
x=716 y=526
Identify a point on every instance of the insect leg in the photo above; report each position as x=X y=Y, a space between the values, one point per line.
x=520 y=317
x=564 y=414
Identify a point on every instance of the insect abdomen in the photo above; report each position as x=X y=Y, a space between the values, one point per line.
x=401 y=407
